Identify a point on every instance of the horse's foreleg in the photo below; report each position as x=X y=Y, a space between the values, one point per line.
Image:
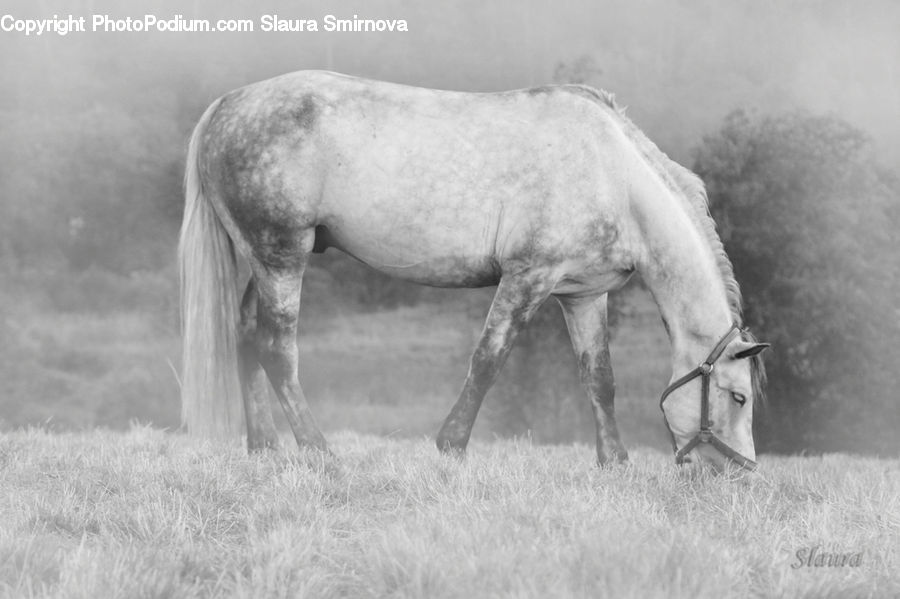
x=276 y=342
x=586 y=319
x=261 y=431
x=514 y=304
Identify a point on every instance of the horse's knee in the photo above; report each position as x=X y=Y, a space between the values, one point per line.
x=602 y=376
x=597 y=377
x=606 y=387
x=268 y=354
x=246 y=339
x=277 y=353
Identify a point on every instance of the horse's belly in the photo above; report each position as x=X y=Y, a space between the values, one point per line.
x=429 y=227
x=414 y=260
x=456 y=271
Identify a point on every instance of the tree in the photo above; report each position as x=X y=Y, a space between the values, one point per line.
x=811 y=223
x=89 y=189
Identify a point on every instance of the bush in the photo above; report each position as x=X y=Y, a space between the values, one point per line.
x=810 y=221
x=94 y=188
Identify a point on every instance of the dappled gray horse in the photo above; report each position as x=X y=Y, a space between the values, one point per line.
x=542 y=192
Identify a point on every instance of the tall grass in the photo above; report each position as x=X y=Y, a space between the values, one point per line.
x=149 y=514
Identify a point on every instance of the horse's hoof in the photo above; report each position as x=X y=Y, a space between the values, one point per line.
x=262 y=445
x=617 y=457
x=451 y=448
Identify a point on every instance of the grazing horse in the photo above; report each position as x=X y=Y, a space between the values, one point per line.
x=542 y=192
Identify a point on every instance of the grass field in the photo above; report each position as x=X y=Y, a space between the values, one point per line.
x=146 y=513
x=153 y=514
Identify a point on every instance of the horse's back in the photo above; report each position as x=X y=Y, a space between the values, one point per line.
x=440 y=187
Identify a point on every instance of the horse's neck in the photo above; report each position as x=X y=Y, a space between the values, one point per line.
x=681 y=272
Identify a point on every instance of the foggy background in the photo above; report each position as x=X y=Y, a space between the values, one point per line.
x=803 y=181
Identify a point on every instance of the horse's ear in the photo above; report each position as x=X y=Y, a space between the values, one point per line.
x=751 y=351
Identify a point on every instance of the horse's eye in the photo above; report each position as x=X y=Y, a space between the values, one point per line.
x=739 y=398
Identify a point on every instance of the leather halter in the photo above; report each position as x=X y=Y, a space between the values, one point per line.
x=706 y=434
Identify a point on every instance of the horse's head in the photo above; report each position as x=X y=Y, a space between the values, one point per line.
x=709 y=410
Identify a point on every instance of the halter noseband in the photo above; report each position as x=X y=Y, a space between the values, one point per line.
x=705 y=435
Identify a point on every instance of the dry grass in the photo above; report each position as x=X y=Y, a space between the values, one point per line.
x=149 y=514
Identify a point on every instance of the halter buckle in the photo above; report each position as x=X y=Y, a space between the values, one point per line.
x=705 y=435
x=705 y=368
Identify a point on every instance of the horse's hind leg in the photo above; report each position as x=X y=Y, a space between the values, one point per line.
x=514 y=304
x=276 y=339
x=586 y=319
x=261 y=431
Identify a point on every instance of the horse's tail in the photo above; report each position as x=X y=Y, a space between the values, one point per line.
x=210 y=388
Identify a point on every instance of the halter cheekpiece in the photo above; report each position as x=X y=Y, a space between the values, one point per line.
x=705 y=435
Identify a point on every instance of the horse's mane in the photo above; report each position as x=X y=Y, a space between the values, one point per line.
x=687 y=185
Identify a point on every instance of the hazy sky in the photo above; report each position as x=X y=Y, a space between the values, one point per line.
x=679 y=65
